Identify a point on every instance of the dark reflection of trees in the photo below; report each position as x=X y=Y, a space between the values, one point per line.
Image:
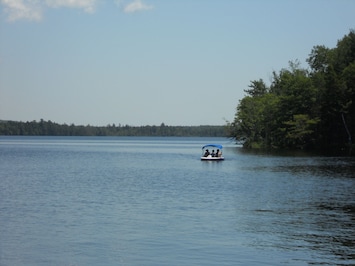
x=314 y=213
x=324 y=170
x=301 y=162
x=324 y=228
x=332 y=229
x=327 y=218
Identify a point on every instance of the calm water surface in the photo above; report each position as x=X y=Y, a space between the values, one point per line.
x=151 y=201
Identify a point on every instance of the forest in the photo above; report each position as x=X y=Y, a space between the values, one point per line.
x=303 y=108
x=49 y=128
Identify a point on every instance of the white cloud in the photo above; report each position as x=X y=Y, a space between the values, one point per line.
x=33 y=9
x=22 y=9
x=87 y=5
x=135 y=6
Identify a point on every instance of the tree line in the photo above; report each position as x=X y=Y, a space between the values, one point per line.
x=49 y=128
x=302 y=108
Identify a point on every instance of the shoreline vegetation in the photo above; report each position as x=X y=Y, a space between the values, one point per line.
x=303 y=108
x=49 y=128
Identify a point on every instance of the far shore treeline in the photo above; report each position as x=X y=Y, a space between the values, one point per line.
x=49 y=128
x=303 y=108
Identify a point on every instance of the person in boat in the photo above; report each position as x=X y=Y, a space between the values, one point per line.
x=213 y=154
x=206 y=153
x=218 y=153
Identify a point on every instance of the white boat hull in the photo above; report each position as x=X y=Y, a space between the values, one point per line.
x=210 y=158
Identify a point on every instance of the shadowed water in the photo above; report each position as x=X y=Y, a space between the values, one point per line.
x=151 y=201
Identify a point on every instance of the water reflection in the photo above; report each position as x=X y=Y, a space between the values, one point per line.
x=300 y=202
x=328 y=169
x=325 y=229
x=299 y=162
x=328 y=227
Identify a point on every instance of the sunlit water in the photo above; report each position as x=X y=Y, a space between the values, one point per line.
x=151 y=201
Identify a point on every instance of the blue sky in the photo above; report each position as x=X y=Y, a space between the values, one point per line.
x=147 y=62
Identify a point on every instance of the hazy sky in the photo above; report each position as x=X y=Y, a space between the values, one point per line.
x=147 y=62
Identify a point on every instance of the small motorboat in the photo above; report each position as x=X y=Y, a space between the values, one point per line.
x=212 y=152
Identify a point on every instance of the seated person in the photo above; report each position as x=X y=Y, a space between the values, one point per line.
x=213 y=154
x=218 y=153
x=206 y=153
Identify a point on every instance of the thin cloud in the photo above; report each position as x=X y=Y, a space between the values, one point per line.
x=33 y=9
x=87 y=5
x=22 y=9
x=136 y=6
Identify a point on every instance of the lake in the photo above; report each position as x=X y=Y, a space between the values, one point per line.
x=152 y=201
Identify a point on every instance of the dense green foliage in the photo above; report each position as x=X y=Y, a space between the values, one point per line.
x=48 y=128
x=303 y=108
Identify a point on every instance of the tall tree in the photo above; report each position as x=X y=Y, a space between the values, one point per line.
x=303 y=108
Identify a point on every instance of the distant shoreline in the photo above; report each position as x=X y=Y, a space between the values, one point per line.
x=49 y=128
